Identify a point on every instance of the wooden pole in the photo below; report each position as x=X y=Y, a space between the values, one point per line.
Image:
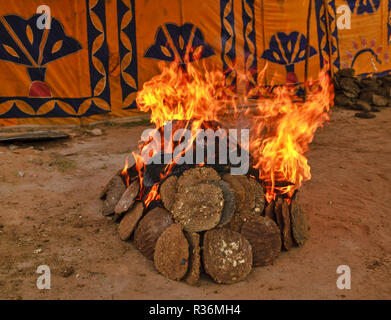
x=326 y=10
x=307 y=49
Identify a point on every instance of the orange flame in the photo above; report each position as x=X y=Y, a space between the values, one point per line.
x=282 y=125
x=178 y=94
x=290 y=125
x=124 y=172
x=152 y=195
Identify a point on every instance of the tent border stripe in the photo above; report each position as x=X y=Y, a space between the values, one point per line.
x=123 y=8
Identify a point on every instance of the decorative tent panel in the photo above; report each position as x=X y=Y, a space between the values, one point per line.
x=97 y=54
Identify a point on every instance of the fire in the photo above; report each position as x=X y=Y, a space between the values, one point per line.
x=290 y=125
x=282 y=125
x=185 y=94
x=152 y=195
x=124 y=172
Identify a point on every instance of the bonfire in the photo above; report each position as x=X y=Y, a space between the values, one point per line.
x=215 y=185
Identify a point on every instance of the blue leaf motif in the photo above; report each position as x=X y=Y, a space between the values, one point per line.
x=173 y=42
x=287 y=49
x=363 y=6
x=160 y=48
x=69 y=45
x=30 y=37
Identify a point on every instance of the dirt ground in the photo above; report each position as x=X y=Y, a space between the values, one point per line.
x=51 y=215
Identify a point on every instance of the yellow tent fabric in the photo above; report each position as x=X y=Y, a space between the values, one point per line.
x=97 y=53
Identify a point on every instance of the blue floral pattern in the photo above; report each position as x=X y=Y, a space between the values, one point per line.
x=173 y=42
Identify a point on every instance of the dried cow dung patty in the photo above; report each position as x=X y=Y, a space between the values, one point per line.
x=278 y=212
x=298 y=222
x=193 y=274
x=112 y=195
x=259 y=201
x=129 y=221
x=237 y=187
x=244 y=197
x=249 y=194
x=197 y=175
x=167 y=192
x=269 y=210
x=281 y=210
x=103 y=192
x=240 y=217
x=265 y=239
x=287 y=240
x=127 y=199
x=229 y=202
x=171 y=257
x=199 y=207
x=149 y=230
x=227 y=255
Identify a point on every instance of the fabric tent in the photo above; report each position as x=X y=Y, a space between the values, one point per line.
x=97 y=53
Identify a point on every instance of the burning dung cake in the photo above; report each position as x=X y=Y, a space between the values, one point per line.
x=203 y=226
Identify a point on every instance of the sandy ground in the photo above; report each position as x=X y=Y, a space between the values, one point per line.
x=50 y=215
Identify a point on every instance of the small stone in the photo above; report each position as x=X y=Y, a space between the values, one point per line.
x=375 y=109
x=171 y=256
x=12 y=147
x=96 y=132
x=365 y=115
x=346 y=72
x=366 y=95
x=370 y=82
x=39 y=250
x=67 y=272
x=364 y=106
x=379 y=101
x=342 y=101
x=130 y=220
x=227 y=255
x=350 y=87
